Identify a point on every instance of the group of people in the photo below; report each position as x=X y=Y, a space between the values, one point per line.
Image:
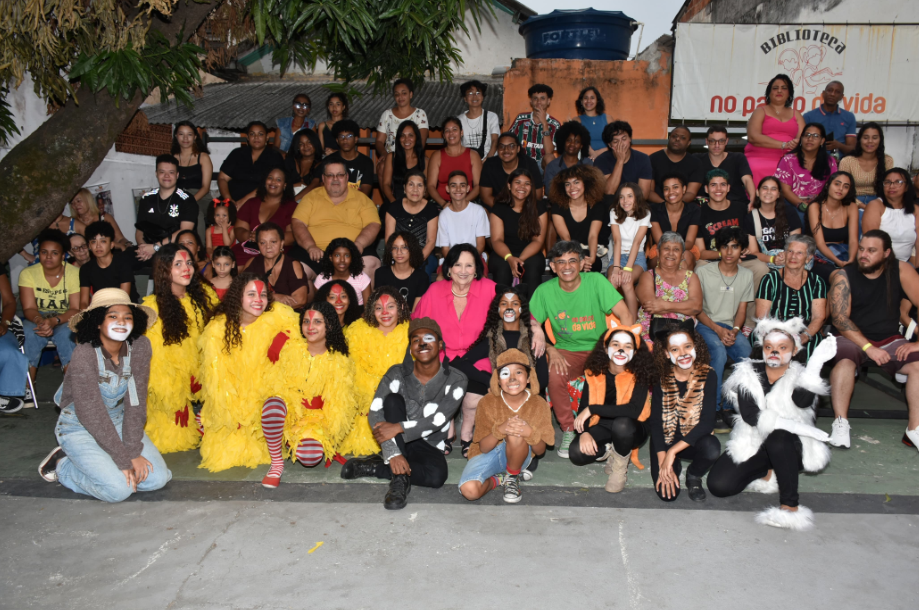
x=369 y=329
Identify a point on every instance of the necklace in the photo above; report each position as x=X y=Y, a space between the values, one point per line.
x=168 y=202
x=521 y=404
x=723 y=281
x=459 y=296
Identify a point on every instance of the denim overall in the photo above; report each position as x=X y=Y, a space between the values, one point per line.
x=88 y=468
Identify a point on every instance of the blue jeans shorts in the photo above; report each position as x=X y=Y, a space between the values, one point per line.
x=486 y=465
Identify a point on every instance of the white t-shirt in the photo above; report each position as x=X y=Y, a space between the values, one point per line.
x=627 y=231
x=472 y=130
x=389 y=123
x=462 y=227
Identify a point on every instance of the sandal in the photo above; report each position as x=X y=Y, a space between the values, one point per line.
x=465 y=445
x=448 y=445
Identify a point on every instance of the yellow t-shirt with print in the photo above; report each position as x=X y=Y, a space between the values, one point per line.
x=51 y=299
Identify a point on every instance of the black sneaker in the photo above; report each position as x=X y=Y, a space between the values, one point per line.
x=397 y=496
x=48 y=467
x=694 y=488
x=724 y=422
x=11 y=404
x=356 y=468
x=29 y=400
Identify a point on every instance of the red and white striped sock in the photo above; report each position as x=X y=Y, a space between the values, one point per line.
x=309 y=452
x=274 y=412
x=198 y=422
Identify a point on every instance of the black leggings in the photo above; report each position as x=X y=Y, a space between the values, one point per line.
x=624 y=433
x=428 y=464
x=533 y=268
x=703 y=454
x=781 y=452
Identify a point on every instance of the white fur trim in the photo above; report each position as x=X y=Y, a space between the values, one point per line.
x=760 y=486
x=793 y=327
x=766 y=422
x=799 y=521
x=376 y=405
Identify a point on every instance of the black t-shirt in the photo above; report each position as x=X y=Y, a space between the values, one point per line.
x=360 y=168
x=638 y=167
x=410 y=288
x=416 y=224
x=494 y=177
x=579 y=231
x=95 y=278
x=734 y=164
x=247 y=176
x=770 y=240
x=713 y=220
x=511 y=220
x=689 y=167
x=691 y=215
x=169 y=213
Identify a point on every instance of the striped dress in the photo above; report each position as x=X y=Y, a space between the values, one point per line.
x=789 y=303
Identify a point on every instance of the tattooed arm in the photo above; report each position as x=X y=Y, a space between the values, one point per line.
x=840 y=299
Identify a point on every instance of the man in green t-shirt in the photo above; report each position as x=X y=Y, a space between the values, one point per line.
x=576 y=305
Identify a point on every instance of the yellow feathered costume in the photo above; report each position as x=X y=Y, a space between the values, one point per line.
x=373 y=354
x=236 y=385
x=329 y=377
x=170 y=420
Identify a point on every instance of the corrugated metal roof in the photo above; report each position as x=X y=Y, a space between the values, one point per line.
x=233 y=105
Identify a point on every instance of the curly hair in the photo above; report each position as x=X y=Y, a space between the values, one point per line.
x=231 y=307
x=334 y=335
x=572 y=128
x=291 y=162
x=494 y=321
x=288 y=194
x=579 y=106
x=405 y=312
x=327 y=269
x=88 y=330
x=354 y=310
x=641 y=365
x=594 y=185
x=528 y=225
x=171 y=312
x=415 y=253
x=54 y=236
x=662 y=364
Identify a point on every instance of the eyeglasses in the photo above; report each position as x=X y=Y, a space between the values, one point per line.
x=507 y=146
x=345 y=136
x=79 y=248
x=889 y=183
x=812 y=136
x=400 y=248
x=300 y=106
x=473 y=94
x=339 y=176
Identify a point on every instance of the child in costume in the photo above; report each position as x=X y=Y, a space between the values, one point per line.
x=341 y=296
x=313 y=416
x=376 y=341
x=775 y=438
x=183 y=303
x=237 y=375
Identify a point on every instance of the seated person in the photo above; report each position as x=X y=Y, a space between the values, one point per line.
x=360 y=168
x=461 y=221
x=496 y=170
x=285 y=275
x=614 y=404
x=246 y=167
x=832 y=219
x=518 y=233
x=164 y=211
x=677 y=216
x=629 y=221
x=220 y=218
x=273 y=202
x=675 y=159
x=409 y=425
x=78 y=254
x=342 y=261
x=621 y=163
x=804 y=170
x=103 y=451
x=14 y=366
x=727 y=292
x=535 y=131
x=734 y=163
x=682 y=412
x=865 y=309
x=403 y=268
x=50 y=296
x=580 y=212
x=414 y=214
x=109 y=267
x=775 y=437
x=341 y=296
x=572 y=141
x=512 y=424
x=770 y=222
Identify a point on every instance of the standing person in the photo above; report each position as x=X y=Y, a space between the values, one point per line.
x=454 y=157
x=535 y=130
x=621 y=163
x=408 y=157
x=868 y=163
x=574 y=307
x=220 y=218
x=838 y=122
x=246 y=167
x=592 y=114
x=377 y=341
x=403 y=268
x=833 y=221
x=496 y=170
x=677 y=216
x=573 y=140
x=461 y=221
x=415 y=214
x=805 y=169
x=109 y=268
x=164 y=211
x=303 y=163
x=274 y=203
x=342 y=261
x=771 y=221
x=579 y=211
x=195 y=165
x=337 y=107
x=409 y=417
x=403 y=90
x=675 y=159
x=183 y=303
x=735 y=164
x=289 y=125
x=865 y=309
x=360 y=168
x=773 y=129
x=286 y=278
x=894 y=212
x=102 y=449
x=513 y=424
x=480 y=127
x=630 y=222
x=14 y=365
x=775 y=436
x=84 y=209
x=50 y=295
x=518 y=234
x=727 y=293
x=682 y=412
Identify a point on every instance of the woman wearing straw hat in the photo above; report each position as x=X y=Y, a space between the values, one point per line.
x=103 y=451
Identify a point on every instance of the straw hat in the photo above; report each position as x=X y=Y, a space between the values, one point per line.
x=108 y=297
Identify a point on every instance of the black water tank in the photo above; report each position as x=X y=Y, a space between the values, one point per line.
x=579 y=34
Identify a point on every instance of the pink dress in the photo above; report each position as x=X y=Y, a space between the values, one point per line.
x=763 y=161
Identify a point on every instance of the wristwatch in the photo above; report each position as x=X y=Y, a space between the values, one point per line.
x=156 y=247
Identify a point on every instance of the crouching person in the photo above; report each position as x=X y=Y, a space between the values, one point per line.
x=410 y=417
x=512 y=424
x=103 y=450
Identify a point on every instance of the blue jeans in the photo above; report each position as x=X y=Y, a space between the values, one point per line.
x=13 y=367
x=640 y=261
x=489 y=464
x=61 y=335
x=866 y=199
x=719 y=352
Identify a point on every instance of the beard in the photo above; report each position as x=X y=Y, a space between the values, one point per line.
x=869 y=269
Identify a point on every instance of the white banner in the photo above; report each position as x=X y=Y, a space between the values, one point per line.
x=720 y=72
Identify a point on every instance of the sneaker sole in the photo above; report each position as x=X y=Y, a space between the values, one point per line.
x=526 y=475
x=50 y=477
x=562 y=453
x=512 y=500
x=723 y=430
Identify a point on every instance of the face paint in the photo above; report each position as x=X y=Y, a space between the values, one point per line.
x=509 y=314
x=337 y=290
x=621 y=356
x=259 y=286
x=119 y=332
x=384 y=299
x=678 y=339
x=429 y=339
x=685 y=361
x=505 y=373
x=311 y=315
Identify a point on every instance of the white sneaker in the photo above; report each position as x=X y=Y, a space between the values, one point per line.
x=913 y=436
x=28 y=400
x=567 y=438
x=839 y=437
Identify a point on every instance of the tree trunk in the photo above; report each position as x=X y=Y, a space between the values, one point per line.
x=44 y=171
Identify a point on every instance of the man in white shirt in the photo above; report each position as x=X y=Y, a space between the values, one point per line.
x=461 y=222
